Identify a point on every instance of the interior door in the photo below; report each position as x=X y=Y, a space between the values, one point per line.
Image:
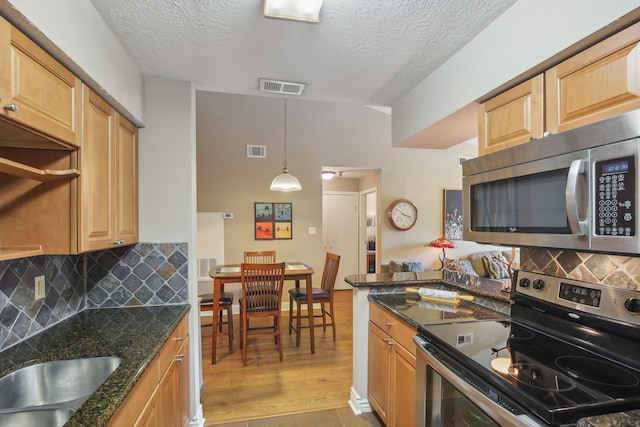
x=340 y=231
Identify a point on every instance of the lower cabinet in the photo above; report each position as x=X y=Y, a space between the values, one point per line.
x=392 y=368
x=161 y=397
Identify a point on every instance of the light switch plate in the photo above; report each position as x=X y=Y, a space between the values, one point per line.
x=39 y=289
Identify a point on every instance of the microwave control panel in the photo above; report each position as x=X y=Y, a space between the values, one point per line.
x=615 y=201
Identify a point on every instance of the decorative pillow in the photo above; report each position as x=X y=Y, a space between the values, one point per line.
x=412 y=266
x=460 y=265
x=477 y=261
x=395 y=267
x=496 y=267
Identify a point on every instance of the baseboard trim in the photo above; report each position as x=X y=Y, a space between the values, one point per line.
x=359 y=404
x=198 y=419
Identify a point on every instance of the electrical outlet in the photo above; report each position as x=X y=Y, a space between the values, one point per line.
x=38 y=284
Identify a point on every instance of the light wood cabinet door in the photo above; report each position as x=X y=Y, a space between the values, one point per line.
x=150 y=416
x=512 y=117
x=403 y=387
x=174 y=386
x=392 y=368
x=379 y=371
x=96 y=182
x=597 y=83
x=126 y=186
x=47 y=97
x=108 y=202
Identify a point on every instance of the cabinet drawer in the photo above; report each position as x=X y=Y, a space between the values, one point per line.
x=398 y=330
x=173 y=344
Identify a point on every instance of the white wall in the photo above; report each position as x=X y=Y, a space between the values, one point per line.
x=167 y=185
x=527 y=34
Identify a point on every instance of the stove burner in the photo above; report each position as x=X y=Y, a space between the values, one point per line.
x=540 y=377
x=520 y=334
x=597 y=371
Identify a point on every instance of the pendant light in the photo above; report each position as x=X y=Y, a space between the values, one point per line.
x=285 y=181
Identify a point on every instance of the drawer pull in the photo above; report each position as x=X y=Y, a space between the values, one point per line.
x=180 y=358
x=388 y=341
x=389 y=324
x=179 y=338
x=13 y=108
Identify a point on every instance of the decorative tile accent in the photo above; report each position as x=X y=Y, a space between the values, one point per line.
x=142 y=274
x=614 y=270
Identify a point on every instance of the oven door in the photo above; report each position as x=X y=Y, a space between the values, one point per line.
x=444 y=399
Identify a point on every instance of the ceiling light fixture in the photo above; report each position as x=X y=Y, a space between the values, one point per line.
x=285 y=181
x=297 y=10
x=327 y=175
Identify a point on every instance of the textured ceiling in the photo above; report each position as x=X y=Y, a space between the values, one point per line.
x=368 y=52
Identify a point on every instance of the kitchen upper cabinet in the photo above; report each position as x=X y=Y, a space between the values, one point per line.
x=512 y=118
x=392 y=368
x=126 y=184
x=108 y=185
x=600 y=82
x=37 y=92
x=595 y=84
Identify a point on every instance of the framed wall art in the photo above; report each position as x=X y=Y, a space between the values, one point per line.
x=453 y=214
x=273 y=221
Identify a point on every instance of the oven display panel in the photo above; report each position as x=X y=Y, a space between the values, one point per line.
x=580 y=294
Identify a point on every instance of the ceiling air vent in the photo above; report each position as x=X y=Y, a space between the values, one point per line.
x=278 y=86
x=259 y=151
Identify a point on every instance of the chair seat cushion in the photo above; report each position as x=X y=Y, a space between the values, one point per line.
x=300 y=294
x=226 y=298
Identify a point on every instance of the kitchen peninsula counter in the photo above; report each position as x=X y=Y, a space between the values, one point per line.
x=136 y=334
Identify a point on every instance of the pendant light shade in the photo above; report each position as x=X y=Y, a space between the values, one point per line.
x=285 y=181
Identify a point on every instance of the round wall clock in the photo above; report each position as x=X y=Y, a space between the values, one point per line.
x=402 y=214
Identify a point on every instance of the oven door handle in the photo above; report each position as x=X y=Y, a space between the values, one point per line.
x=578 y=226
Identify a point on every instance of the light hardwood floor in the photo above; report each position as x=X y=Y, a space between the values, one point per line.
x=305 y=389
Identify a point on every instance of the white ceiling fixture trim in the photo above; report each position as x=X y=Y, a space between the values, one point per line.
x=297 y=10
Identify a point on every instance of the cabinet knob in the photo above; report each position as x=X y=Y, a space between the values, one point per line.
x=388 y=341
x=13 y=108
x=179 y=338
x=389 y=324
x=118 y=242
x=180 y=358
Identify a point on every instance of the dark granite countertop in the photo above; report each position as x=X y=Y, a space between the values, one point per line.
x=390 y=279
x=136 y=334
x=622 y=419
x=414 y=312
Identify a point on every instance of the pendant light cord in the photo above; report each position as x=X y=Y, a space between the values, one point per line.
x=285 y=133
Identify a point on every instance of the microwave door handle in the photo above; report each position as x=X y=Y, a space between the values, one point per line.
x=578 y=226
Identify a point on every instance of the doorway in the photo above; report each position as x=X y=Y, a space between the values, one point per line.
x=340 y=231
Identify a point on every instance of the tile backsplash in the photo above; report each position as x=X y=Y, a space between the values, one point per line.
x=141 y=274
x=621 y=271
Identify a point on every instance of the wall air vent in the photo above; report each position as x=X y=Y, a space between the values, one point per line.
x=282 y=87
x=204 y=265
x=259 y=151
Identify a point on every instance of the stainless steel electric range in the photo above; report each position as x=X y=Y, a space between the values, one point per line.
x=570 y=349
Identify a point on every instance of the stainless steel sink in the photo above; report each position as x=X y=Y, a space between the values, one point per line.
x=63 y=383
x=37 y=417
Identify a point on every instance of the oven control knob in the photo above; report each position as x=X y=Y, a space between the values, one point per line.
x=524 y=283
x=632 y=305
x=538 y=284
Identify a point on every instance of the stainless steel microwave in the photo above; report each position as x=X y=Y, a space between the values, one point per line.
x=574 y=190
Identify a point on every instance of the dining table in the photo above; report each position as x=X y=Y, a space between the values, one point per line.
x=230 y=273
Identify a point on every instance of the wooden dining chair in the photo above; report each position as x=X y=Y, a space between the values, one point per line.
x=322 y=295
x=262 y=286
x=225 y=306
x=259 y=257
